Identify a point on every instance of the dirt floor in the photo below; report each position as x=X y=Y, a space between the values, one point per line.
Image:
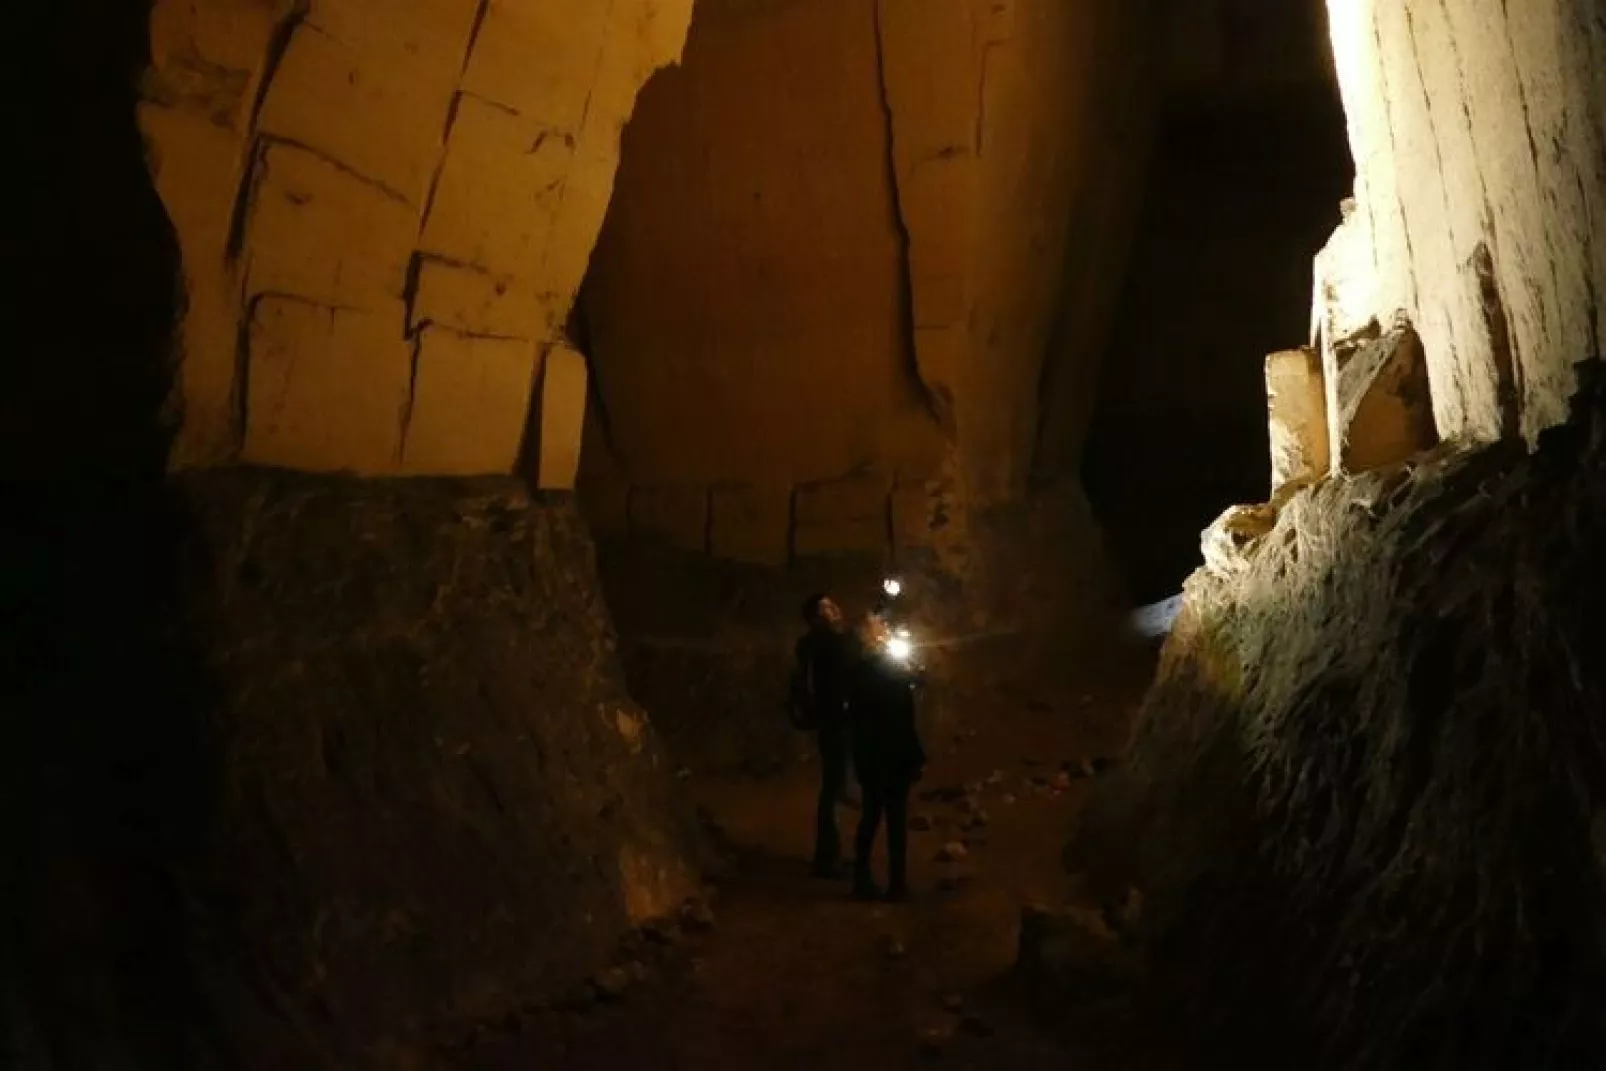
x=793 y=974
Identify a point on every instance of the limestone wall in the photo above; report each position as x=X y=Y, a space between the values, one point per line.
x=385 y=210
x=1479 y=134
x=821 y=303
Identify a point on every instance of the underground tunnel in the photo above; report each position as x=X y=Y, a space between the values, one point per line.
x=450 y=404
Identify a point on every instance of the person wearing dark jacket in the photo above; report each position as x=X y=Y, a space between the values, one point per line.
x=825 y=659
x=888 y=755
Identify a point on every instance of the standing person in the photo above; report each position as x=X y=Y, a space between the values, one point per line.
x=825 y=657
x=888 y=754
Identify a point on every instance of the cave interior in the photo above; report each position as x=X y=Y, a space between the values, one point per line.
x=448 y=404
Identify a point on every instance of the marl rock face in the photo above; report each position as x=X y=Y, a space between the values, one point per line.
x=385 y=211
x=1479 y=135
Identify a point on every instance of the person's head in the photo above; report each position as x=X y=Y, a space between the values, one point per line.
x=820 y=611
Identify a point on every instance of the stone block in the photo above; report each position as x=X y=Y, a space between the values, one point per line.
x=750 y=524
x=841 y=516
x=318 y=232
x=676 y=515
x=587 y=191
x=501 y=186
x=539 y=59
x=325 y=387
x=379 y=118
x=471 y=404
x=563 y=415
x=477 y=301
x=1380 y=405
x=1296 y=410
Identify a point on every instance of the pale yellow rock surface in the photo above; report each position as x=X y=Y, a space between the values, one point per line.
x=459 y=379
x=412 y=170
x=1296 y=404
x=562 y=418
x=1482 y=124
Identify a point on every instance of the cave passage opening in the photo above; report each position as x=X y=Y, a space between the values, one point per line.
x=1249 y=165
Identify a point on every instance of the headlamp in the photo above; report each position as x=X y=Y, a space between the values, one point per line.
x=892 y=586
x=898 y=646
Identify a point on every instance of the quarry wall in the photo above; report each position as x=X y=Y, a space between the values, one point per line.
x=1479 y=135
x=819 y=309
x=384 y=212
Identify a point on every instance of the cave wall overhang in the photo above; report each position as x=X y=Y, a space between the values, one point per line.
x=384 y=213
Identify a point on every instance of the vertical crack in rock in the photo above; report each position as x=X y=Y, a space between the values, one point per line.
x=1433 y=124
x=1591 y=284
x=981 y=94
x=1388 y=118
x=1508 y=372
x=933 y=401
x=1517 y=67
x=415 y=265
x=240 y=401
x=410 y=399
x=279 y=39
x=579 y=134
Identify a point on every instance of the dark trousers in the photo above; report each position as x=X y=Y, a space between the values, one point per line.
x=833 y=784
x=885 y=796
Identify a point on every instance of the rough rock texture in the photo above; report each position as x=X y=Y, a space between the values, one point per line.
x=1363 y=803
x=1379 y=403
x=1296 y=409
x=415 y=796
x=806 y=285
x=1479 y=135
x=385 y=212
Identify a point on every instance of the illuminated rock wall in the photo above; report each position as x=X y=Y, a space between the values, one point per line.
x=385 y=211
x=820 y=303
x=1479 y=135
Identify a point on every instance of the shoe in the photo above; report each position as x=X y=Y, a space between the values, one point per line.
x=826 y=871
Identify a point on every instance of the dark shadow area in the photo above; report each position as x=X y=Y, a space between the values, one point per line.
x=1364 y=803
x=103 y=766
x=1242 y=192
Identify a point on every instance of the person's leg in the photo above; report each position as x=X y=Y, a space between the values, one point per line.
x=833 y=770
x=864 y=843
x=897 y=808
x=851 y=795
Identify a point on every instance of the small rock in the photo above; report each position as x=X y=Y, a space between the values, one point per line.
x=952 y=852
x=1039 y=781
x=1061 y=782
x=950 y=883
x=920 y=823
x=682 y=774
x=1009 y=797
x=1088 y=768
x=979 y=818
x=954 y=1003
x=893 y=948
x=996 y=777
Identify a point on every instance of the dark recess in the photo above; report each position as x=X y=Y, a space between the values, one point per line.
x=103 y=765
x=1242 y=192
